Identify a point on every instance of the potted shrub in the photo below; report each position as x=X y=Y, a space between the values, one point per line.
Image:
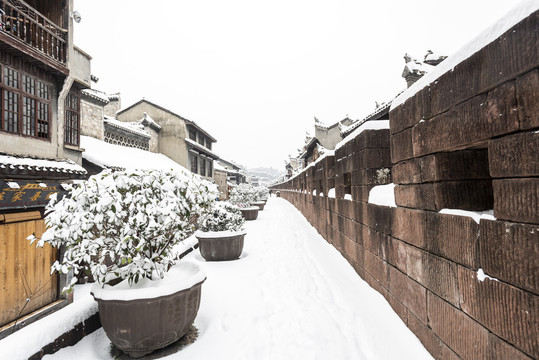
x=261 y=197
x=121 y=227
x=262 y=194
x=221 y=233
x=243 y=196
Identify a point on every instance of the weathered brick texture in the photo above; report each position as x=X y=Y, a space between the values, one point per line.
x=510 y=313
x=517 y=199
x=527 y=95
x=466 y=337
x=510 y=252
x=456 y=165
x=408 y=292
x=515 y=156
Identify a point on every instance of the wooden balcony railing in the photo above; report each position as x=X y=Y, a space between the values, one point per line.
x=25 y=23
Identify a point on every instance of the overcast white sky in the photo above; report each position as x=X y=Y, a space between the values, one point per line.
x=255 y=73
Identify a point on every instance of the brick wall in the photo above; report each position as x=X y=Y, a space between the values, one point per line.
x=468 y=141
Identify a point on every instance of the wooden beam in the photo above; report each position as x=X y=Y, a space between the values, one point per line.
x=22 y=216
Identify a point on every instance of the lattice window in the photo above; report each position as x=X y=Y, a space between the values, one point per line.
x=72 y=119
x=24 y=104
x=202 y=167
x=29 y=117
x=11 y=111
x=194 y=163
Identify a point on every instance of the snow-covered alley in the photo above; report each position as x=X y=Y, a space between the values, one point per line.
x=291 y=295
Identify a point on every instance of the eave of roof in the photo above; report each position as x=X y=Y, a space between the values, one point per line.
x=202 y=149
x=28 y=167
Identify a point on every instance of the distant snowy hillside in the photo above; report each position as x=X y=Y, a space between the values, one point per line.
x=265 y=174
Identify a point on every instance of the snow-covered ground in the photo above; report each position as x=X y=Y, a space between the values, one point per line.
x=291 y=295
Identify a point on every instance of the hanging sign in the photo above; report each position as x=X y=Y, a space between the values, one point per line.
x=27 y=194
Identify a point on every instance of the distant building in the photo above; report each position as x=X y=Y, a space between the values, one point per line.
x=235 y=174
x=180 y=139
x=329 y=136
x=254 y=181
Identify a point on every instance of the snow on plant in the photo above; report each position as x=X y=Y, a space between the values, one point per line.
x=223 y=216
x=243 y=195
x=124 y=224
x=262 y=192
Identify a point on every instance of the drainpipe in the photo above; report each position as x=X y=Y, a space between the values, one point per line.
x=68 y=82
x=61 y=116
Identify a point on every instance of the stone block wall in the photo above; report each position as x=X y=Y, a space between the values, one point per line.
x=92 y=113
x=469 y=141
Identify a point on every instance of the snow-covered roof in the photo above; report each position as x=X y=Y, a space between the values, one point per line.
x=115 y=96
x=97 y=95
x=188 y=122
x=322 y=126
x=109 y=155
x=518 y=13
x=18 y=166
x=201 y=148
x=378 y=112
x=130 y=127
x=433 y=58
x=415 y=66
x=151 y=122
x=217 y=166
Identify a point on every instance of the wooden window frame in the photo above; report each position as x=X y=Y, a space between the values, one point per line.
x=191 y=133
x=202 y=166
x=72 y=118
x=28 y=121
x=194 y=163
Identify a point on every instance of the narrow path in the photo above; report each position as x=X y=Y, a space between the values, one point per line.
x=291 y=295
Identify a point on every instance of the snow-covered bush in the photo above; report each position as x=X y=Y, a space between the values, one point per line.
x=262 y=192
x=223 y=216
x=124 y=224
x=243 y=195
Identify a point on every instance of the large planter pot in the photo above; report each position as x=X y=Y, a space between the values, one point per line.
x=260 y=204
x=250 y=213
x=151 y=314
x=220 y=245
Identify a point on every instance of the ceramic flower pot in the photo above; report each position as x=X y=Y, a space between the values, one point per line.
x=151 y=314
x=220 y=245
x=260 y=204
x=250 y=213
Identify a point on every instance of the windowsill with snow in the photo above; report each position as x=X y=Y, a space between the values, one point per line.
x=383 y=195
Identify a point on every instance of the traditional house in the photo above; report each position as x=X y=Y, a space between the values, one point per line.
x=235 y=174
x=117 y=145
x=41 y=77
x=329 y=136
x=180 y=139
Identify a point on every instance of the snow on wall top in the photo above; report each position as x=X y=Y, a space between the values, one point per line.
x=513 y=17
x=67 y=166
x=116 y=156
x=368 y=125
